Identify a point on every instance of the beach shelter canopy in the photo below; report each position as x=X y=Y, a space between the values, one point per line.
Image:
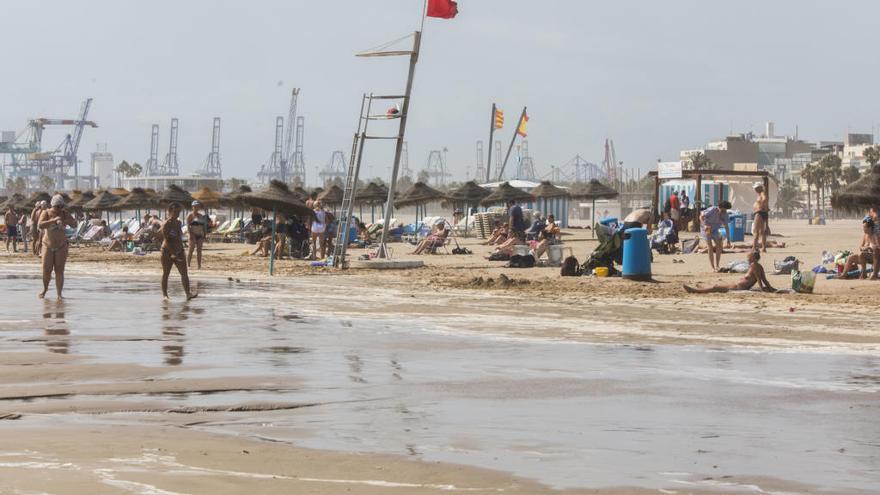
x=548 y=190
x=504 y=193
x=332 y=195
x=277 y=197
x=207 y=197
x=136 y=199
x=372 y=193
x=419 y=194
x=301 y=192
x=861 y=194
x=174 y=194
x=13 y=201
x=318 y=190
x=34 y=199
x=593 y=190
x=233 y=199
x=120 y=191
x=83 y=198
x=470 y=193
x=103 y=201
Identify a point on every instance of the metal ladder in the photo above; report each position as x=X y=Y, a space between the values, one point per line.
x=340 y=246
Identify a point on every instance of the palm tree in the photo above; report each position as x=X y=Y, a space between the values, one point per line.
x=850 y=174
x=872 y=156
x=788 y=197
x=699 y=161
x=830 y=171
x=809 y=175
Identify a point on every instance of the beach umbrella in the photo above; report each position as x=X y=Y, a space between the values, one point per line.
x=79 y=200
x=332 y=196
x=278 y=198
x=372 y=194
x=861 y=194
x=232 y=199
x=301 y=192
x=34 y=199
x=103 y=201
x=13 y=201
x=207 y=197
x=591 y=191
x=318 y=190
x=136 y=199
x=419 y=195
x=504 y=193
x=470 y=194
x=174 y=194
x=120 y=191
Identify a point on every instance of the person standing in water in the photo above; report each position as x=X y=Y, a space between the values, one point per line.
x=172 y=253
x=197 y=224
x=36 y=235
x=11 y=222
x=52 y=223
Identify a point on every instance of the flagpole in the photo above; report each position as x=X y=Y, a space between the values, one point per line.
x=424 y=16
x=491 y=135
x=512 y=140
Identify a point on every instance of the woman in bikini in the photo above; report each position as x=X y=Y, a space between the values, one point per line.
x=52 y=223
x=172 y=251
x=319 y=225
x=755 y=275
x=197 y=224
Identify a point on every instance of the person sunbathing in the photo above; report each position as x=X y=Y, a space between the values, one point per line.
x=866 y=252
x=121 y=242
x=435 y=240
x=755 y=275
x=506 y=247
x=499 y=235
x=548 y=236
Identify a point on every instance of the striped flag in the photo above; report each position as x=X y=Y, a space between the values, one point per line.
x=499 y=118
x=521 y=130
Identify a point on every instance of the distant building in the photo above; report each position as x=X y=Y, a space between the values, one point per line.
x=854 y=150
x=739 y=151
x=103 y=171
x=161 y=182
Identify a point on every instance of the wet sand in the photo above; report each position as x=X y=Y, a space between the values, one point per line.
x=431 y=381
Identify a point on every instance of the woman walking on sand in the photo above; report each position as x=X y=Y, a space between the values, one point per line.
x=172 y=253
x=52 y=223
x=198 y=224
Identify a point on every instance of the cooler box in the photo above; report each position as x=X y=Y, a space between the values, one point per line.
x=636 y=254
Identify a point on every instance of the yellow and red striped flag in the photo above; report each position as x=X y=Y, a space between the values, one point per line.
x=499 y=118
x=521 y=130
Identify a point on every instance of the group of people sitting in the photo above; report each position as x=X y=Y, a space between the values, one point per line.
x=539 y=236
x=868 y=250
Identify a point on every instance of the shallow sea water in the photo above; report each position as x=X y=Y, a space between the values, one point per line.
x=566 y=414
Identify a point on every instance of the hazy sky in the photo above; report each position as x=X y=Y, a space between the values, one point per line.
x=654 y=76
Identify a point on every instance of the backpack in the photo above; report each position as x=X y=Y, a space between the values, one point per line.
x=570 y=267
x=519 y=261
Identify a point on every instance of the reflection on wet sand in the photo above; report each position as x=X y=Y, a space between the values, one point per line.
x=56 y=326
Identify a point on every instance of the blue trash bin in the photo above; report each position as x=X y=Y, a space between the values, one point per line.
x=636 y=254
x=736 y=228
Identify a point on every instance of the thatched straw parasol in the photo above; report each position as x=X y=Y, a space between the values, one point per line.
x=301 y=192
x=332 y=196
x=120 y=191
x=136 y=199
x=79 y=201
x=470 y=194
x=233 y=199
x=174 y=194
x=592 y=191
x=548 y=190
x=505 y=193
x=372 y=194
x=278 y=198
x=861 y=194
x=103 y=201
x=208 y=198
x=419 y=195
x=13 y=201
x=34 y=199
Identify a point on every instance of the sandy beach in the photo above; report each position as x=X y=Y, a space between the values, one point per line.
x=316 y=381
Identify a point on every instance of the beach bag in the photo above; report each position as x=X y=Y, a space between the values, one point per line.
x=461 y=250
x=519 y=261
x=570 y=267
x=786 y=266
x=803 y=282
x=499 y=256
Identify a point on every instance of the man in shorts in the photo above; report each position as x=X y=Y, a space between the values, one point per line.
x=761 y=210
x=11 y=222
x=712 y=219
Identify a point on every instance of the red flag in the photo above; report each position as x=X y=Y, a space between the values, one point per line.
x=444 y=9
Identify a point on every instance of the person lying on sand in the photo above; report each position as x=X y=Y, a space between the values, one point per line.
x=172 y=252
x=755 y=275
x=866 y=252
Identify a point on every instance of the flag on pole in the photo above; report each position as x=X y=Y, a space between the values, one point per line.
x=521 y=130
x=499 y=118
x=444 y=9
